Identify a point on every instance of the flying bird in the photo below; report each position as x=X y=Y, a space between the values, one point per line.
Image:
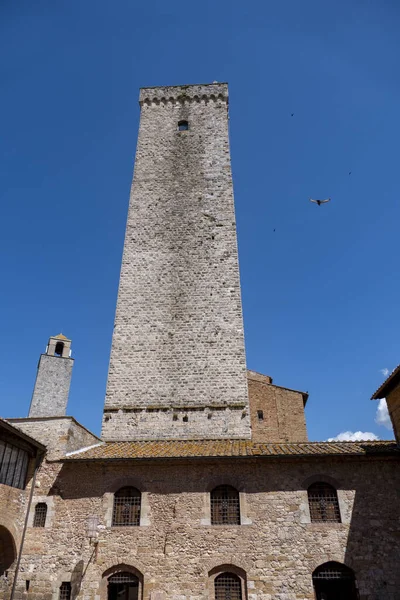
x=292 y=114
x=319 y=202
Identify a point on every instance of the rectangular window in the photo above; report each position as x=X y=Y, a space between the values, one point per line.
x=65 y=591
x=13 y=465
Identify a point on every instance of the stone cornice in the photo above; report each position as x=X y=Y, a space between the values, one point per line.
x=184 y=94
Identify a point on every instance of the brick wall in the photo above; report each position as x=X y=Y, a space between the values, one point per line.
x=393 y=403
x=277 y=413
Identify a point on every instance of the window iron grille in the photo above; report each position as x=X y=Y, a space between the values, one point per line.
x=333 y=572
x=323 y=502
x=65 y=591
x=225 y=506
x=39 y=519
x=123 y=577
x=228 y=587
x=126 y=510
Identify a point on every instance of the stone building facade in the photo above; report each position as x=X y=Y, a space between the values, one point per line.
x=204 y=485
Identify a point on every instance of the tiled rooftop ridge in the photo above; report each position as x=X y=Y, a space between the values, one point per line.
x=227 y=448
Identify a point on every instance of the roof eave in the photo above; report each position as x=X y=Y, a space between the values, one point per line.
x=19 y=433
x=388 y=386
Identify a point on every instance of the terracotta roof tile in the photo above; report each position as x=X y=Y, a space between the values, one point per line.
x=226 y=448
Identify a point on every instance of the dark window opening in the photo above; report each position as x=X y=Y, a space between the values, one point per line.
x=126 y=511
x=333 y=581
x=59 y=349
x=228 y=586
x=27 y=584
x=65 y=591
x=260 y=415
x=123 y=586
x=225 y=506
x=323 y=502
x=40 y=514
x=183 y=126
x=185 y=419
x=13 y=465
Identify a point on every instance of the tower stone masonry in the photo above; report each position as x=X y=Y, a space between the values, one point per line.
x=177 y=366
x=53 y=379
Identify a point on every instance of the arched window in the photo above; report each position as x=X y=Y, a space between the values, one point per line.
x=228 y=586
x=323 y=502
x=123 y=586
x=59 y=349
x=183 y=126
x=126 y=507
x=39 y=519
x=333 y=580
x=65 y=591
x=225 y=507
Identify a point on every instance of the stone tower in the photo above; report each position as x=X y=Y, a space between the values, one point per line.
x=50 y=394
x=177 y=366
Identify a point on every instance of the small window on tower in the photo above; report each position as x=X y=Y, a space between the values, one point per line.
x=59 y=349
x=183 y=126
x=260 y=415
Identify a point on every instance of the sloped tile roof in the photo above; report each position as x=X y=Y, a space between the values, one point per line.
x=388 y=385
x=227 y=448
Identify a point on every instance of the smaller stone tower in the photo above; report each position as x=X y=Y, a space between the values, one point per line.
x=50 y=394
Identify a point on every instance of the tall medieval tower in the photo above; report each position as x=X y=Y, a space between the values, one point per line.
x=53 y=379
x=177 y=367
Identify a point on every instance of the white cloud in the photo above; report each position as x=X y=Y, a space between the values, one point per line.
x=382 y=415
x=385 y=372
x=356 y=436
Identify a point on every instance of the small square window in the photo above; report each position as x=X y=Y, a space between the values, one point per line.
x=260 y=415
x=183 y=126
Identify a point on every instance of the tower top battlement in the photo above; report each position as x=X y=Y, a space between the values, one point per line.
x=184 y=93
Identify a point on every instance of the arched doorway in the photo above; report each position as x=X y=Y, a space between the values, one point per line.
x=7 y=550
x=123 y=586
x=334 y=581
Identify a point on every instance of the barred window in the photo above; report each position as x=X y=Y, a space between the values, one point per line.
x=323 y=502
x=39 y=519
x=65 y=591
x=225 y=507
x=123 y=586
x=126 y=507
x=334 y=580
x=228 y=586
x=123 y=577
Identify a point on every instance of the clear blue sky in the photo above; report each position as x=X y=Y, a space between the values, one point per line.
x=320 y=294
